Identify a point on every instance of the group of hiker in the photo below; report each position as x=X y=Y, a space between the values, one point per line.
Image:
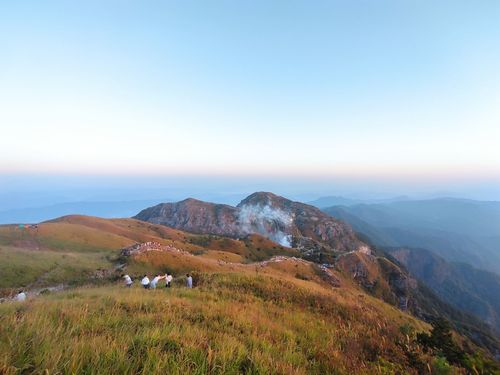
x=151 y=284
x=145 y=282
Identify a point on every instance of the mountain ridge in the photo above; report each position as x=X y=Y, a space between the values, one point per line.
x=467 y=288
x=289 y=223
x=456 y=229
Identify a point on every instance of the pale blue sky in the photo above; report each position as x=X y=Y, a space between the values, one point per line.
x=324 y=88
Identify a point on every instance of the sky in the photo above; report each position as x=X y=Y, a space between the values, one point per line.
x=362 y=90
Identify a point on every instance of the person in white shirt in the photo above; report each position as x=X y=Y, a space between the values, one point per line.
x=168 y=280
x=20 y=296
x=153 y=283
x=189 y=281
x=145 y=282
x=128 y=281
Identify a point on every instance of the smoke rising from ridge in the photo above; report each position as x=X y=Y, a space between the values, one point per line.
x=268 y=221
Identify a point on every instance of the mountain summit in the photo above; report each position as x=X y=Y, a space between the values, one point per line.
x=289 y=223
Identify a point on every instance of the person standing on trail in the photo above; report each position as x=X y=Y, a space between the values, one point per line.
x=168 y=280
x=20 y=296
x=128 y=281
x=189 y=281
x=155 y=280
x=145 y=282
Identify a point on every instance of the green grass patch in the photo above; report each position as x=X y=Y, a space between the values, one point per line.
x=38 y=268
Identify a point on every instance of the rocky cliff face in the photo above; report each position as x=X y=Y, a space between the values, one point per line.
x=194 y=216
x=288 y=223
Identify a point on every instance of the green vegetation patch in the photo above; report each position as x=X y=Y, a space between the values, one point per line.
x=38 y=268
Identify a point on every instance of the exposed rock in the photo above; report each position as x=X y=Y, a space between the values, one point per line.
x=102 y=274
x=361 y=268
x=140 y=248
x=195 y=216
x=329 y=276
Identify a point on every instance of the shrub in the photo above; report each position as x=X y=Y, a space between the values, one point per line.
x=441 y=341
x=440 y=366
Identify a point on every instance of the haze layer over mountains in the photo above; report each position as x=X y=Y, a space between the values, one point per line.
x=457 y=229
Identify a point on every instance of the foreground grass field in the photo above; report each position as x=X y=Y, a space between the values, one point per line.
x=229 y=323
x=249 y=313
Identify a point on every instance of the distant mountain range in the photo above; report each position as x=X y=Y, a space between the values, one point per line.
x=457 y=229
x=107 y=209
x=336 y=200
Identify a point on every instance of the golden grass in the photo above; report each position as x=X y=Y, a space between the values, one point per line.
x=222 y=255
x=87 y=233
x=230 y=323
x=84 y=244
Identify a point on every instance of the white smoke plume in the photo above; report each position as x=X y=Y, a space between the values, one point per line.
x=268 y=221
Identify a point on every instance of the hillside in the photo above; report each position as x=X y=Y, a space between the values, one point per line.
x=72 y=248
x=389 y=281
x=467 y=288
x=230 y=323
x=292 y=224
x=458 y=230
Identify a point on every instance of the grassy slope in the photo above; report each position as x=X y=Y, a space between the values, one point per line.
x=231 y=323
x=70 y=248
x=86 y=233
x=21 y=267
x=275 y=317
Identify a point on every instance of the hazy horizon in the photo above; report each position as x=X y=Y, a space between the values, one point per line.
x=25 y=191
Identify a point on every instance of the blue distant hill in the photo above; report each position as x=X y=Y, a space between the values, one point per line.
x=457 y=229
x=101 y=209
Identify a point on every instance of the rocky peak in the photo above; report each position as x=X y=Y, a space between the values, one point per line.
x=191 y=201
x=263 y=198
x=289 y=223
